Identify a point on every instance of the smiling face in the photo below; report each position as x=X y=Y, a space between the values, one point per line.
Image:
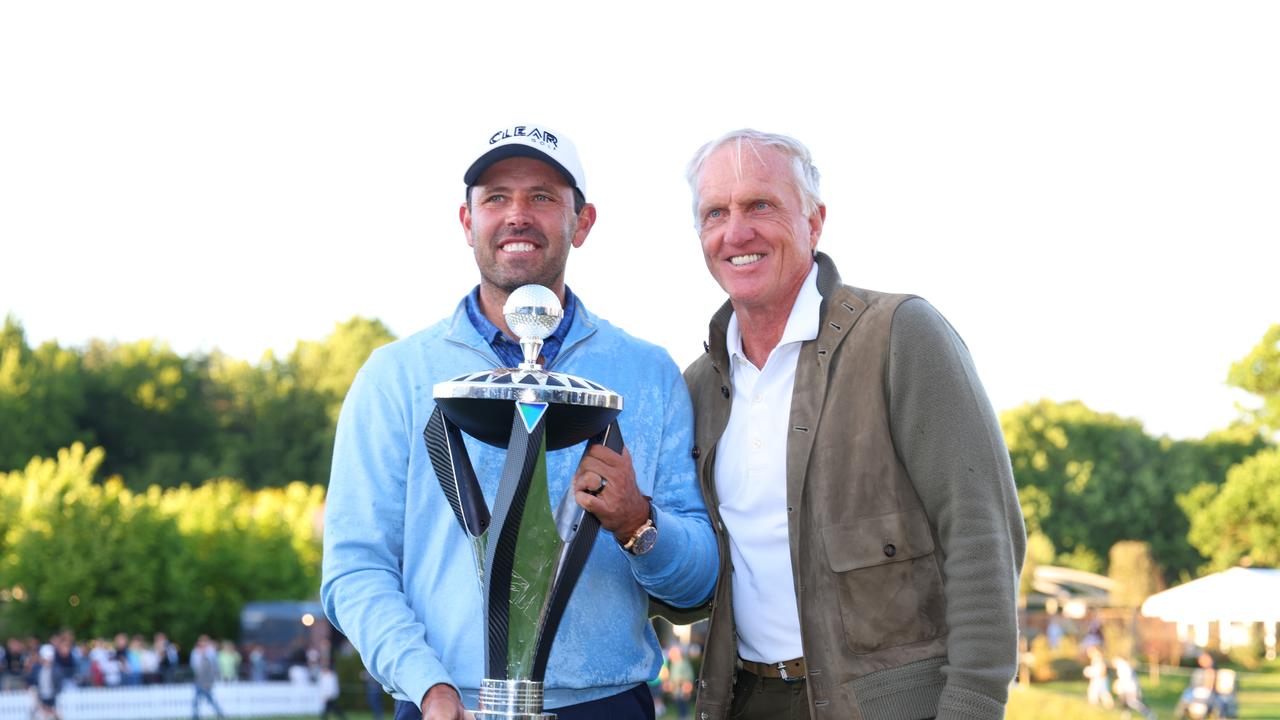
x=756 y=237
x=521 y=224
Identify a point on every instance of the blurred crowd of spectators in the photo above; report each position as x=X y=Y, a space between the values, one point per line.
x=120 y=661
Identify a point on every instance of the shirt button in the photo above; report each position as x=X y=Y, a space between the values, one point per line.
x=890 y=550
x=756 y=443
x=757 y=399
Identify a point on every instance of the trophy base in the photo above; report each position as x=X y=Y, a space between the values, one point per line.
x=511 y=700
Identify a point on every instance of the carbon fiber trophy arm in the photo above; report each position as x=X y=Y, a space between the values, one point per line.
x=457 y=477
x=458 y=481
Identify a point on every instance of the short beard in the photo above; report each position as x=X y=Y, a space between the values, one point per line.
x=552 y=274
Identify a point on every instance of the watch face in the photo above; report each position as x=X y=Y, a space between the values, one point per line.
x=644 y=542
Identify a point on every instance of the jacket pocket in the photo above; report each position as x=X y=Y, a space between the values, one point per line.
x=887 y=580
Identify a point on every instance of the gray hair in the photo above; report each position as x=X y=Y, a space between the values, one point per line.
x=804 y=173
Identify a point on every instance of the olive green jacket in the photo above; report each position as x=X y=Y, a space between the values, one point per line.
x=906 y=534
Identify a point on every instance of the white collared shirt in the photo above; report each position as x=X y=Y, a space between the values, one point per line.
x=751 y=484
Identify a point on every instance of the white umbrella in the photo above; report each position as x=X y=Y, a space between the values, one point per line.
x=1245 y=595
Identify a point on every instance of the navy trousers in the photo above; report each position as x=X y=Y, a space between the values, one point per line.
x=633 y=704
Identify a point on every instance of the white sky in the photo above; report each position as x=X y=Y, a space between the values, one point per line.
x=1089 y=191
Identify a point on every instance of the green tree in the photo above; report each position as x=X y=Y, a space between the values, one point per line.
x=166 y=419
x=99 y=559
x=1094 y=475
x=277 y=419
x=41 y=395
x=1259 y=373
x=1187 y=464
x=145 y=405
x=272 y=430
x=328 y=367
x=1089 y=480
x=1239 y=523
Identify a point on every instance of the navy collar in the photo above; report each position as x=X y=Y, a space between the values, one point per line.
x=508 y=350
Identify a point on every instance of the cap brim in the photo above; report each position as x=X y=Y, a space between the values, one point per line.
x=504 y=152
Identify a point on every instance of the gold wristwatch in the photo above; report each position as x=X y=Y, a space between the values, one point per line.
x=644 y=538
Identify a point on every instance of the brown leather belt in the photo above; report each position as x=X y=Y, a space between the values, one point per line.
x=786 y=670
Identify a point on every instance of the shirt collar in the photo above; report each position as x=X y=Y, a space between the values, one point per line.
x=802 y=323
x=509 y=350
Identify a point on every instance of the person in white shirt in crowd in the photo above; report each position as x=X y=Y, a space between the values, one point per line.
x=329 y=690
x=204 y=664
x=47 y=679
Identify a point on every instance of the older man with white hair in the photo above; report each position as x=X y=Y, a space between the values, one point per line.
x=869 y=527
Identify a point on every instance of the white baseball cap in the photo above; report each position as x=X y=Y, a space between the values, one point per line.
x=532 y=141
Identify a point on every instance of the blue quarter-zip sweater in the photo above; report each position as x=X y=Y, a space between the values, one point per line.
x=398 y=577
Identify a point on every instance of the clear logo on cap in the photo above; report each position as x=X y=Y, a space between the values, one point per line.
x=538 y=135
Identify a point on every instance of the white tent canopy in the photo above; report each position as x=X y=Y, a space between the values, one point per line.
x=1240 y=595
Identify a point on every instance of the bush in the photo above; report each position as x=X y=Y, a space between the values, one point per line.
x=1249 y=657
x=1135 y=572
x=1117 y=640
x=1061 y=663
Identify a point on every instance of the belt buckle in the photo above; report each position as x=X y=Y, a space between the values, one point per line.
x=782 y=670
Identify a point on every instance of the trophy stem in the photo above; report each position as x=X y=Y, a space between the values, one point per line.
x=532 y=348
x=511 y=700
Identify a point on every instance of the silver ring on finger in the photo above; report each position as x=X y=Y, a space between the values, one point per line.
x=603 y=484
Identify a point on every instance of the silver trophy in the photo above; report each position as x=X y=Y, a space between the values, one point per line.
x=528 y=557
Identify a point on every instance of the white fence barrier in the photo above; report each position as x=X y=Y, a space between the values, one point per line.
x=169 y=702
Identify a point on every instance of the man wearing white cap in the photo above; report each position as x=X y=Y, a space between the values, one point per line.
x=399 y=579
x=47 y=680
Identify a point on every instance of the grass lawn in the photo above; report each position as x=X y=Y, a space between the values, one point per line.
x=1259 y=700
x=387 y=715
x=1259 y=696
x=1040 y=701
